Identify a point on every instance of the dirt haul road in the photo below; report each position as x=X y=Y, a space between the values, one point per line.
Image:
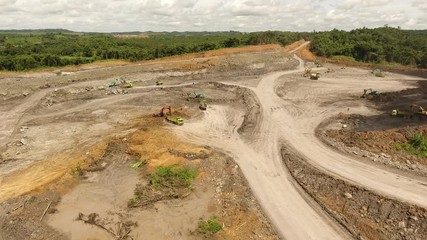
x=292 y=121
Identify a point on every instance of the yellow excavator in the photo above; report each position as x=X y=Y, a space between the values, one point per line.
x=416 y=110
x=168 y=116
x=419 y=110
x=162 y=112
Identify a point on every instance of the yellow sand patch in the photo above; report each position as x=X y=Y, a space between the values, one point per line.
x=158 y=147
x=42 y=173
x=219 y=52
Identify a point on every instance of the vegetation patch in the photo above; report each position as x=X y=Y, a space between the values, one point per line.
x=417 y=145
x=166 y=182
x=209 y=226
x=77 y=170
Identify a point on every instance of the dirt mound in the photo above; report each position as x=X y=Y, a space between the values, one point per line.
x=306 y=54
x=381 y=142
x=219 y=52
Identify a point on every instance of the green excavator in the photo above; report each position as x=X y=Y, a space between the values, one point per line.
x=195 y=95
x=369 y=93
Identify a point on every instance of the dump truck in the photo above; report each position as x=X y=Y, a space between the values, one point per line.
x=159 y=82
x=175 y=120
x=314 y=76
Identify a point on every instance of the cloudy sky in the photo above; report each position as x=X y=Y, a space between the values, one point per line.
x=211 y=15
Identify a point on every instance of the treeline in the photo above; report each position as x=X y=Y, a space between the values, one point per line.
x=27 y=50
x=378 y=45
x=20 y=51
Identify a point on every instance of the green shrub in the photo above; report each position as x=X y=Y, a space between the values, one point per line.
x=417 y=145
x=209 y=226
x=77 y=170
x=173 y=176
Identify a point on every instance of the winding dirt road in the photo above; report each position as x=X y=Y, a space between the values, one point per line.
x=292 y=122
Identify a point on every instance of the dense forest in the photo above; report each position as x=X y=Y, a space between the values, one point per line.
x=30 y=49
x=386 y=44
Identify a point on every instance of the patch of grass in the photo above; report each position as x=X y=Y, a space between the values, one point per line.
x=167 y=182
x=417 y=145
x=77 y=170
x=209 y=226
x=173 y=176
x=343 y=58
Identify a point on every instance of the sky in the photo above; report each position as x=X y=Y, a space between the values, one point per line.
x=211 y=15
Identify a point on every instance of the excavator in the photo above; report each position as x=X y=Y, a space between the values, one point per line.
x=175 y=120
x=195 y=95
x=307 y=72
x=416 y=110
x=367 y=93
x=168 y=116
x=162 y=112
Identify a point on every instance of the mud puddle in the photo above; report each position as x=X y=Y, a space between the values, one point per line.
x=104 y=192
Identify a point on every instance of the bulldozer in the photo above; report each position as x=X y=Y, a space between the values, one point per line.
x=314 y=76
x=162 y=112
x=195 y=95
x=369 y=93
x=202 y=104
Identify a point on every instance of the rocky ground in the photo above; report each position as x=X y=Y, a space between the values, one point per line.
x=363 y=213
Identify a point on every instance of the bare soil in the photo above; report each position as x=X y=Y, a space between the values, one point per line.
x=70 y=141
x=73 y=139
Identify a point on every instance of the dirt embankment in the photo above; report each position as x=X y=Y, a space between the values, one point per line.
x=363 y=213
x=252 y=113
x=381 y=146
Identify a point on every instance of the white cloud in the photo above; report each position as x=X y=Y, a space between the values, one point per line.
x=209 y=15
